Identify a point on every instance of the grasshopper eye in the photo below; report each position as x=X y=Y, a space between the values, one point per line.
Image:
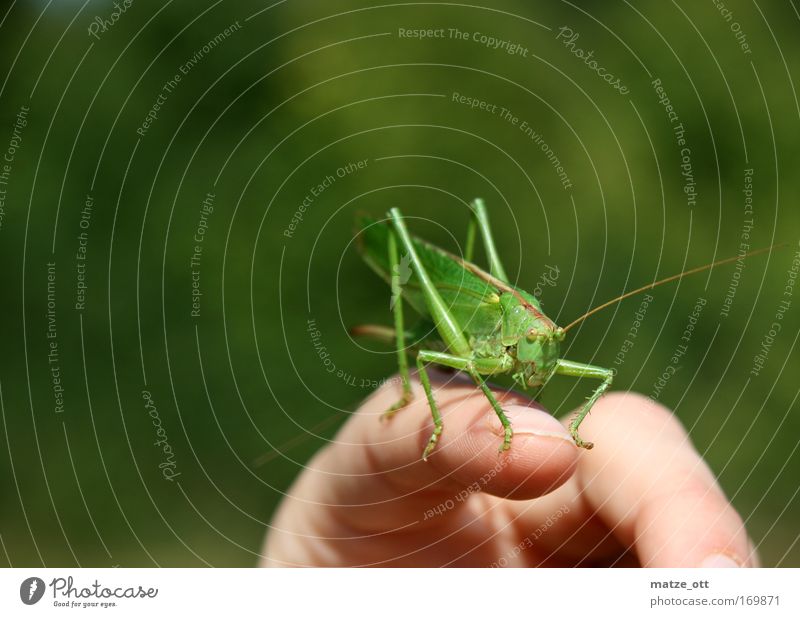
x=532 y=335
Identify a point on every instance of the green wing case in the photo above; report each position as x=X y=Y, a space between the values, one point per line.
x=472 y=301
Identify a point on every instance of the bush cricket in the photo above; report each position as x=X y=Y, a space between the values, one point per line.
x=473 y=321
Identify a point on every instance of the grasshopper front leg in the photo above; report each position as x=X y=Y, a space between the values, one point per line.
x=576 y=369
x=438 y=425
x=473 y=368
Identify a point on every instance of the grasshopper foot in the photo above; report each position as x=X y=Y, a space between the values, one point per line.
x=508 y=433
x=432 y=443
x=405 y=400
x=588 y=445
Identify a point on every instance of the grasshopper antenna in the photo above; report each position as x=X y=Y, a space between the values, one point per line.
x=669 y=279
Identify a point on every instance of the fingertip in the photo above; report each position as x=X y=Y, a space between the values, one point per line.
x=541 y=456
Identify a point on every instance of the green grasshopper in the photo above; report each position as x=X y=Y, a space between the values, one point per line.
x=472 y=321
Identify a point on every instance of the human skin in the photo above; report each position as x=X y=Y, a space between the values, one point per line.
x=641 y=497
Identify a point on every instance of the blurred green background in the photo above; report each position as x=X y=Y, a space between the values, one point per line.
x=263 y=114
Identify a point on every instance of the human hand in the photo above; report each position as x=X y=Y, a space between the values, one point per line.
x=642 y=496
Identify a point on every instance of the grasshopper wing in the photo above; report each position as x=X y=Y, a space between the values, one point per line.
x=474 y=302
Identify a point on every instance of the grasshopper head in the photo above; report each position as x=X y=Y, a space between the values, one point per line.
x=536 y=339
x=538 y=351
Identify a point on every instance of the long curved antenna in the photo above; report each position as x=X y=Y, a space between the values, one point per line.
x=669 y=279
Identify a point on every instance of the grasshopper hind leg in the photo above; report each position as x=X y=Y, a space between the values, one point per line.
x=400 y=334
x=480 y=219
x=438 y=425
x=389 y=335
x=406 y=398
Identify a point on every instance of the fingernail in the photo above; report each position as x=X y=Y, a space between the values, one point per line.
x=529 y=421
x=720 y=560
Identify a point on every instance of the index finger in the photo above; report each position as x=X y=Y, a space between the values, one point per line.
x=651 y=487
